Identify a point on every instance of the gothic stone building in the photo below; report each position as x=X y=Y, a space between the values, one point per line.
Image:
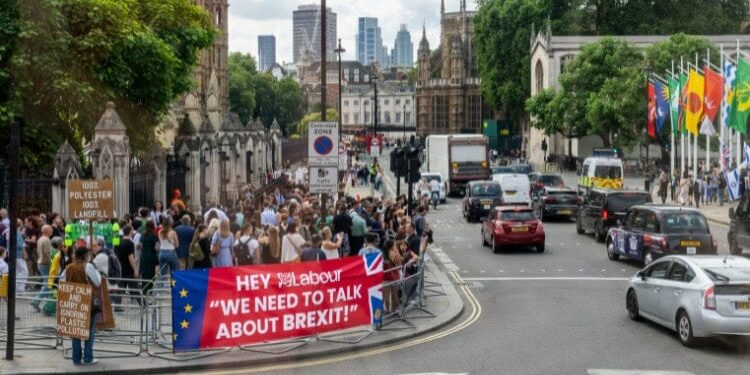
x=448 y=96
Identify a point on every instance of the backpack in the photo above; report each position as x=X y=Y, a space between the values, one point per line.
x=115 y=268
x=242 y=253
x=196 y=252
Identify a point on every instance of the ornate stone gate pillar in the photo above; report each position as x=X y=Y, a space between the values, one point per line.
x=110 y=156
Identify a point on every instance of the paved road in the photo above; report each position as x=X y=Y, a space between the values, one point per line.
x=560 y=312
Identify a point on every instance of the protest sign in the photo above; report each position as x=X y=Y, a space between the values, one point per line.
x=224 y=307
x=73 y=310
x=90 y=199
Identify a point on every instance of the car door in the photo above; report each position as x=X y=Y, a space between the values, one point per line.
x=648 y=288
x=593 y=209
x=741 y=222
x=672 y=288
x=620 y=235
x=634 y=233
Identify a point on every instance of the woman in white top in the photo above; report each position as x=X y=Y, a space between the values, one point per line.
x=291 y=245
x=157 y=213
x=328 y=246
x=168 y=244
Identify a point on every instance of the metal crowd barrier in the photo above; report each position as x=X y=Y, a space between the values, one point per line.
x=143 y=320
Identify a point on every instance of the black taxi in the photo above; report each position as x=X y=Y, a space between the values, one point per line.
x=652 y=231
x=481 y=196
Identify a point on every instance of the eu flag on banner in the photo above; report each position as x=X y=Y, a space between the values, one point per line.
x=188 y=299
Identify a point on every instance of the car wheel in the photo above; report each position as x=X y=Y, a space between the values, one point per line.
x=685 y=329
x=540 y=248
x=599 y=233
x=579 y=227
x=611 y=253
x=631 y=303
x=495 y=247
x=648 y=257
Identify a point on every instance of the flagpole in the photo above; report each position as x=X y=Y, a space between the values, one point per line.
x=708 y=139
x=671 y=131
x=695 y=138
x=737 y=131
x=721 y=109
x=679 y=127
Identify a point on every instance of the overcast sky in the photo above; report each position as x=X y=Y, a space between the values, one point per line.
x=250 y=18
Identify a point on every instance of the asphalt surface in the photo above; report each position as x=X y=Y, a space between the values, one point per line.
x=559 y=312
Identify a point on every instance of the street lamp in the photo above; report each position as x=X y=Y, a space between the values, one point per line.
x=374 y=81
x=339 y=51
x=403 y=114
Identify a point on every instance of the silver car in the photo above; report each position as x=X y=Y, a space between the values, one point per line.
x=697 y=296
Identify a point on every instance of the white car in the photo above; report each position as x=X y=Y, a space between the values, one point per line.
x=433 y=176
x=515 y=188
x=696 y=296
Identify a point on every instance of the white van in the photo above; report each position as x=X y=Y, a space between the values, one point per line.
x=600 y=172
x=515 y=188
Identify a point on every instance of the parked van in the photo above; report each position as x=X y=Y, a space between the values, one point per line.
x=515 y=188
x=600 y=172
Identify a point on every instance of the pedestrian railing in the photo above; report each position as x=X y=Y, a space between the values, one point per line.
x=143 y=318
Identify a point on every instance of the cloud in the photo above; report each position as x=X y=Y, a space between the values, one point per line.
x=250 y=18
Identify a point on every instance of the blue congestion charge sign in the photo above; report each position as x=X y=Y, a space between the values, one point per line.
x=323 y=145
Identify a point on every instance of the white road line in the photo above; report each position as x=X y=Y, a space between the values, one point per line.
x=635 y=372
x=445 y=260
x=552 y=278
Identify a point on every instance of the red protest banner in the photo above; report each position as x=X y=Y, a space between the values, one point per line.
x=224 y=307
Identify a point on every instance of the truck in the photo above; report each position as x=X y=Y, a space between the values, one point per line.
x=459 y=157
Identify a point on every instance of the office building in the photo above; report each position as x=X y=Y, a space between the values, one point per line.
x=369 y=41
x=306 y=29
x=266 y=52
x=403 y=49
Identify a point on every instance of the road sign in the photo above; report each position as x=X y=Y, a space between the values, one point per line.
x=323 y=141
x=323 y=180
x=343 y=158
x=90 y=199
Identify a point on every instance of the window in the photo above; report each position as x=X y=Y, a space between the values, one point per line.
x=356 y=75
x=539 y=76
x=408 y=101
x=681 y=272
x=631 y=221
x=366 y=102
x=356 y=102
x=651 y=222
x=346 y=118
x=398 y=117
x=658 y=270
x=387 y=101
x=346 y=103
x=367 y=117
x=407 y=117
x=387 y=118
x=356 y=118
x=398 y=101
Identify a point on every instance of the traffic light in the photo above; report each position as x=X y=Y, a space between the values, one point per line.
x=398 y=162
x=412 y=156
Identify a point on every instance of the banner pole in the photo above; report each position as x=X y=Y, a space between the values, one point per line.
x=695 y=149
x=679 y=126
x=721 y=109
x=737 y=131
x=708 y=139
x=671 y=131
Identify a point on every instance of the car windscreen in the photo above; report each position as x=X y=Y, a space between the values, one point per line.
x=608 y=171
x=522 y=168
x=485 y=190
x=622 y=201
x=431 y=177
x=561 y=192
x=551 y=180
x=684 y=222
x=517 y=216
x=728 y=274
x=499 y=170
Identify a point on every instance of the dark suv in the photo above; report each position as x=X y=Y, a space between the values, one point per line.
x=739 y=226
x=601 y=209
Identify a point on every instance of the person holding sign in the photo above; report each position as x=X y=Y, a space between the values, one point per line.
x=82 y=272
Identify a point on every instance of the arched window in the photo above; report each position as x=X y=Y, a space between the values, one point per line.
x=539 y=76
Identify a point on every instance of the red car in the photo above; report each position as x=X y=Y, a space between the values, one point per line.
x=509 y=225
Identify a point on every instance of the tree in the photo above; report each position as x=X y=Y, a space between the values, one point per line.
x=290 y=102
x=266 y=90
x=242 y=76
x=548 y=109
x=74 y=56
x=660 y=55
x=331 y=115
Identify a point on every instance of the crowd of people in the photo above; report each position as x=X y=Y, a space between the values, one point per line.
x=708 y=189
x=283 y=226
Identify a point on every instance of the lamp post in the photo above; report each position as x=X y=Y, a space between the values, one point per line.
x=403 y=114
x=339 y=51
x=374 y=81
x=648 y=114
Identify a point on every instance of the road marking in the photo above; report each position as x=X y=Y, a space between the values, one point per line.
x=476 y=312
x=551 y=278
x=445 y=260
x=635 y=372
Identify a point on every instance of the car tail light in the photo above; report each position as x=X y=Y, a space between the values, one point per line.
x=539 y=227
x=550 y=200
x=714 y=245
x=605 y=215
x=539 y=185
x=709 y=298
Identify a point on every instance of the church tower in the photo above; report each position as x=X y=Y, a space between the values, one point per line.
x=423 y=59
x=215 y=58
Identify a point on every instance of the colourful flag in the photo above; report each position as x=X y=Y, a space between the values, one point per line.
x=674 y=105
x=730 y=72
x=651 y=111
x=683 y=102
x=733 y=184
x=694 y=101
x=741 y=99
x=662 y=104
x=712 y=97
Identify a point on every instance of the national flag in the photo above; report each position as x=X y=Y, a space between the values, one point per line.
x=725 y=154
x=730 y=72
x=674 y=105
x=712 y=97
x=651 y=111
x=733 y=184
x=694 y=101
x=662 y=104
x=683 y=102
x=741 y=98
x=707 y=127
x=747 y=154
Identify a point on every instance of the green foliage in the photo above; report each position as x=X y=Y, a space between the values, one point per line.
x=660 y=55
x=242 y=76
x=75 y=55
x=503 y=32
x=9 y=29
x=290 y=104
x=266 y=105
x=331 y=115
x=601 y=93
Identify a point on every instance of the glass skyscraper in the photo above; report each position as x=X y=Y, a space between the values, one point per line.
x=403 y=49
x=266 y=52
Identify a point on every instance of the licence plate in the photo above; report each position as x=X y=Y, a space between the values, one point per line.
x=565 y=212
x=742 y=305
x=486 y=206
x=693 y=243
x=510 y=193
x=520 y=229
x=690 y=251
